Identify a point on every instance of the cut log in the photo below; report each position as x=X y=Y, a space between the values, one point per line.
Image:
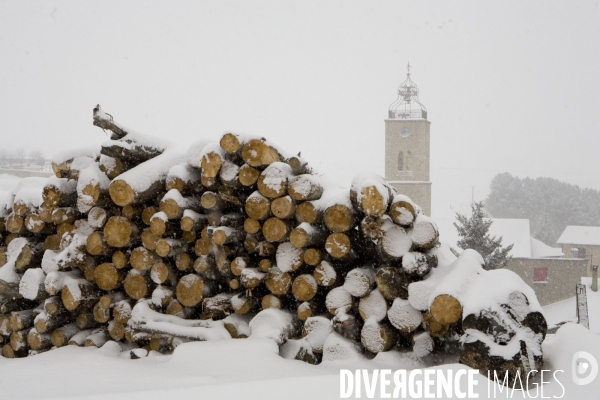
x=116 y=330
x=217 y=307
x=417 y=264
x=276 y=230
x=404 y=317
x=212 y=158
x=79 y=294
x=52 y=242
x=193 y=221
x=178 y=310
x=163 y=273
x=258 y=153
x=396 y=241
x=149 y=239
x=112 y=166
x=96 y=244
x=39 y=341
x=378 y=336
x=265 y=265
x=231 y=143
x=434 y=328
x=64 y=215
x=312 y=256
x=338 y=246
x=392 y=283
x=272 y=301
x=239 y=264
x=184 y=178
x=20 y=320
x=403 y=211
x=224 y=234
x=203 y=247
x=326 y=275
x=212 y=201
x=108 y=277
x=304 y=287
x=250 y=278
x=252 y=226
x=59 y=192
x=14 y=224
x=370 y=227
x=147 y=214
x=273 y=181
x=120 y=259
x=128 y=188
x=284 y=207
x=190 y=290
x=142 y=259
x=243 y=304
x=338 y=299
x=305 y=235
x=425 y=233
x=371 y=194
x=258 y=206
x=229 y=175
x=278 y=282
x=97 y=217
x=446 y=309
x=248 y=175
x=288 y=257
x=122 y=311
x=184 y=262
x=173 y=204
x=310 y=309
x=32 y=285
x=137 y=284
x=305 y=188
x=162 y=296
x=34 y=222
x=86 y=320
x=347 y=326
x=340 y=215
x=422 y=344
x=372 y=306
x=170 y=247
x=120 y=232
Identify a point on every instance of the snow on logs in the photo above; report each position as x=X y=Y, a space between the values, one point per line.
x=141 y=241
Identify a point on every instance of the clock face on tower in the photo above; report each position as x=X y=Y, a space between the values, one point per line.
x=404 y=132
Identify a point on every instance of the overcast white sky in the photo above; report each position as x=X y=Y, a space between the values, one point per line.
x=509 y=85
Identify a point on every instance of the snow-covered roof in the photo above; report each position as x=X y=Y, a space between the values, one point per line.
x=540 y=249
x=515 y=232
x=512 y=231
x=586 y=235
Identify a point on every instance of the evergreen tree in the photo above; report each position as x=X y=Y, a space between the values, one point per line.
x=474 y=235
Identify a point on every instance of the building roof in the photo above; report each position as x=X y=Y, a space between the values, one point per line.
x=512 y=231
x=540 y=249
x=515 y=232
x=586 y=235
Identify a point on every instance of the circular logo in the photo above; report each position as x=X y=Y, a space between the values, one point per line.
x=584 y=368
x=404 y=132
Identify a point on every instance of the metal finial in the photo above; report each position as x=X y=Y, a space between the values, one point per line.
x=408 y=69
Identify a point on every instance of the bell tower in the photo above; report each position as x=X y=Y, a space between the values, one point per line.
x=407 y=145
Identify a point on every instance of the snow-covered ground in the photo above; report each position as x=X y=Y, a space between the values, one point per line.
x=241 y=369
x=565 y=311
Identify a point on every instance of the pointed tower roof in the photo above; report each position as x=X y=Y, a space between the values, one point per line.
x=407 y=105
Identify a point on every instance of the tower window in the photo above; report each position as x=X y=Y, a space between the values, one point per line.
x=409 y=161
x=400 y=161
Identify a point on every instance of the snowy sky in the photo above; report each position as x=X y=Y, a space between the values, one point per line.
x=509 y=86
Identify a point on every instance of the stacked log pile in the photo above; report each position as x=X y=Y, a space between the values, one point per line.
x=151 y=245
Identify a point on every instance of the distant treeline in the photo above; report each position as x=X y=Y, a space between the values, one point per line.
x=550 y=205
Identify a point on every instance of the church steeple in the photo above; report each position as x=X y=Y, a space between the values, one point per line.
x=407 y=105
x=407 y=145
